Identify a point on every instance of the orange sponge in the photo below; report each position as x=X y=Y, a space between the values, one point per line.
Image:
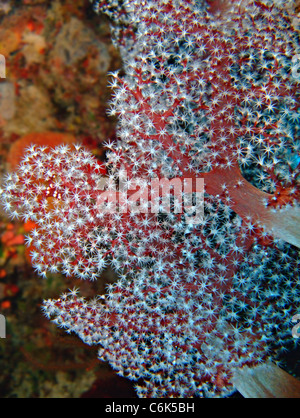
x=51 y=139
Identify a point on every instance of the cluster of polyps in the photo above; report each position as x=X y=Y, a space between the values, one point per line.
x=193 y=302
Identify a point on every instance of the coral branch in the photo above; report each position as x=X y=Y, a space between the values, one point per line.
x=205 y=289
x=266 y=381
